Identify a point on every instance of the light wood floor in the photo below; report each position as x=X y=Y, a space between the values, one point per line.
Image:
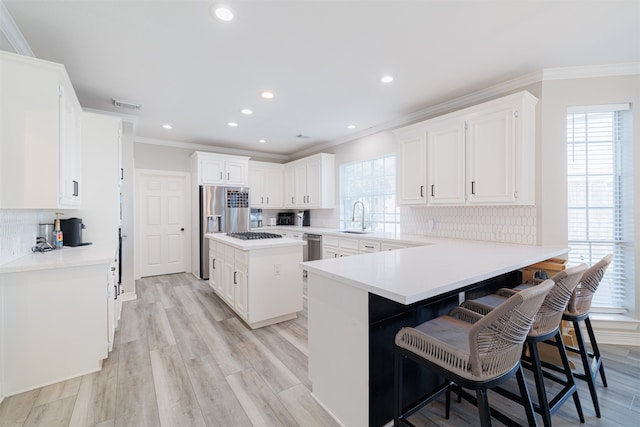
x=182 y=358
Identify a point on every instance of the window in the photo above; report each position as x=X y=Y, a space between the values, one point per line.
x=372 y=182
x=600 y=197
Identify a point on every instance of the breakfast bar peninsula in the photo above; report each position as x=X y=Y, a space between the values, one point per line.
x=357 y=304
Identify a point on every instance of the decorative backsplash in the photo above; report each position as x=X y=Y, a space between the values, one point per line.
x=509 y=224
x=18 y=232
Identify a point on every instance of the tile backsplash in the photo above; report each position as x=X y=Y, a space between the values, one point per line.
x=18 y=232
x=510 y=224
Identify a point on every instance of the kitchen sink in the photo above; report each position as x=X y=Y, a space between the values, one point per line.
x=355 y=231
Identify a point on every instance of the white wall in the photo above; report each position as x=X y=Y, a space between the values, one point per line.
x=558 y=95
x=159 y=157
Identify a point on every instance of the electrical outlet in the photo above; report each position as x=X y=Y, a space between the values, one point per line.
x=500 y=234
x=276 y=269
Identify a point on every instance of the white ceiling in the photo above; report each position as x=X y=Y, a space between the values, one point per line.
x=322 y=58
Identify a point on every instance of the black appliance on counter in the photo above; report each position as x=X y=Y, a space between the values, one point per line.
x=306 y=218
x=72 y=232
x=286 y=218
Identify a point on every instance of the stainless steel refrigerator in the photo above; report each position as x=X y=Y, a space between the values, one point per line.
x=222 y=210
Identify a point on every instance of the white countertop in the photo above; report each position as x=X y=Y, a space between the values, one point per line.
x=248 y=245
x=443 y=265
x=392 y=237
x=61 y=258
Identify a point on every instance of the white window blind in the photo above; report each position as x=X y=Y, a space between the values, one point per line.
x=600 y=198
x=373 y=182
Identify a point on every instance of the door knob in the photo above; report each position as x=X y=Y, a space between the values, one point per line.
x=182 y=229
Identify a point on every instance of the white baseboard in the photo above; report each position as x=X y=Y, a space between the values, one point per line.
x=128 y=296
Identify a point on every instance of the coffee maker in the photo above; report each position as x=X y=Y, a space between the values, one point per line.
x=72 y=232
x=304 y=218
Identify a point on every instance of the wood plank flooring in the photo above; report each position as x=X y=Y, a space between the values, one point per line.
x=182 y=358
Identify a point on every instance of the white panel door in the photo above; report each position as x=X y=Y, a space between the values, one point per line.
x=162 y=203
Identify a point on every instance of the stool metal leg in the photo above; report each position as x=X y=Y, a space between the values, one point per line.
x=543 y=402
x=596 y=351
x=588 y=375
x=567 y=368
x=397 y=389
x=483 y=408
x=526 y=399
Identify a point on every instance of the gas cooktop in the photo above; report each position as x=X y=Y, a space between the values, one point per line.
x=253 y=235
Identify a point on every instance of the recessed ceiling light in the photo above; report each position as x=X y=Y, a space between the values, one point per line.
x=351 y=127
x=232 y=124
x=262 y=141
x=267 y=94
x=167 y=126
x=222 y=12
x=386 y=79
x=246 y=111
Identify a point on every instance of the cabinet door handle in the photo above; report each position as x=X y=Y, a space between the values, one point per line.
x=228 y=176
x=220 y=174
x=422 y=191
x=235 y=279
x=368 y=247
x=213 y=264
x=292 y=200
x=267 y=199
x=75 y=188
x=261 y=199
x=473 y=187
x=433 y=190
x=121 y=174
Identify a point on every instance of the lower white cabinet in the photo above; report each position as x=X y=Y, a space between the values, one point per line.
x=54 y=325
x=262 y=286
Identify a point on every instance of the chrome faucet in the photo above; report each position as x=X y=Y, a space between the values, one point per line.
x=353 y=213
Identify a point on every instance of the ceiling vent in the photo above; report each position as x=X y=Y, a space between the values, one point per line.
x=126 y=104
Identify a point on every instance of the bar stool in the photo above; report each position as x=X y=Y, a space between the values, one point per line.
x=472 y=351
x=577 y=311
x=545 y=328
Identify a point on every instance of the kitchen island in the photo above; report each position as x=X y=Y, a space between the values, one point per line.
x=357 y=304
x=258 y=279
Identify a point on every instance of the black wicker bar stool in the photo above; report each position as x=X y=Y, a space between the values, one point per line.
x=545 y=328
x=471 y=351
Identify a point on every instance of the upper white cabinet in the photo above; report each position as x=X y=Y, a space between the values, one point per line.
x=501 y=152
x=483 y=154
x=289 y=186
x=266 y=184
x=40 y=136
x=314 y=182
x=220 y=169
x=446 y=162
x=412 y=164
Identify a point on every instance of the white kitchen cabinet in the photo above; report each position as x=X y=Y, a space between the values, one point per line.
x=412 y=163
x=314 y=182
x=266 y=184
x=216 y=266
x=40 y=135
x=368 y=246
x=289 y=186
x=240 y=283
x=262 y=285
x=220 y=169
x=446 y=162
x=501 y=151
x=53 y=324
x=483 y=154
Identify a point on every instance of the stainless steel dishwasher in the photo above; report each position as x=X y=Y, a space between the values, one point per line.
x=314 y=246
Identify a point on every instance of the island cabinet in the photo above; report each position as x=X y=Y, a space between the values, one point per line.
x=266 y=183
x=40 y=137
x=261 y=282
x=219 y=169
x=483 y=154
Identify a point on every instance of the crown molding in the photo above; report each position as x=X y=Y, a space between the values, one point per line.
x=591 y=71
x=210 y=148
x=13 y=34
